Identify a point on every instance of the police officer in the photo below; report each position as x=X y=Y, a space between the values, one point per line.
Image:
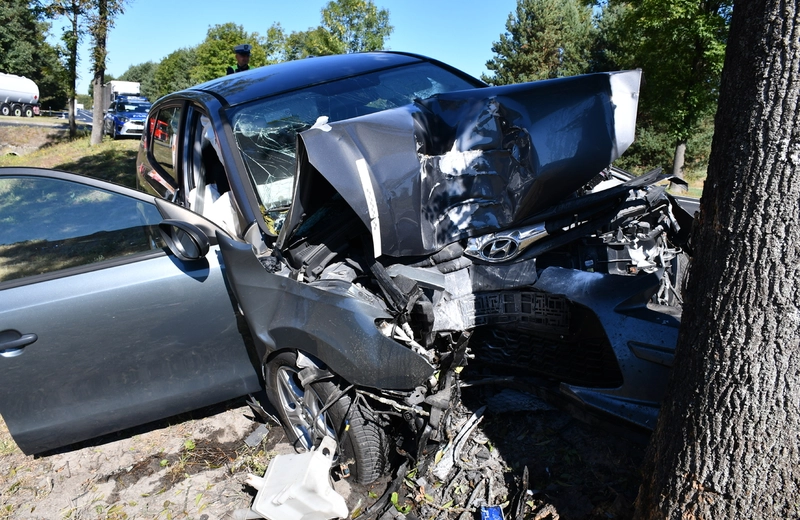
x=242 y=58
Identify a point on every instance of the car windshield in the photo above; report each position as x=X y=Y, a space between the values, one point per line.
x=266 y=129
x=134 y=107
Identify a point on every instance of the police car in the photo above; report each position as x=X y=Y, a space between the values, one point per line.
x=126 y=116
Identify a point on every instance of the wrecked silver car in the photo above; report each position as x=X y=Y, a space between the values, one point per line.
x=479 y=225
x=392 y=230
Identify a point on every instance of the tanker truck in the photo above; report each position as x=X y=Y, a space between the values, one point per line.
x=19 y=96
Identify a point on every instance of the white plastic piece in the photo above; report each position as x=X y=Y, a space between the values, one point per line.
x=298 y=487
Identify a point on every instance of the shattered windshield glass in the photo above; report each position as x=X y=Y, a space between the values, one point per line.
x=266 y=130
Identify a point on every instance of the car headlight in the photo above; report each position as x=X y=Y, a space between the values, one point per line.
x=122 y=119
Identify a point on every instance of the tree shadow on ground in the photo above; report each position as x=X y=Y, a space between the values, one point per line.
x=585 y=470
x=576 y=469
x=62 y=136
x=117 y=166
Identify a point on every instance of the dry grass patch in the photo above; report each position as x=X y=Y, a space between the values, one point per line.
x=111 y=160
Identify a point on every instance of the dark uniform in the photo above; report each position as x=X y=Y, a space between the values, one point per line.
x=242 y=58
x=231 y=70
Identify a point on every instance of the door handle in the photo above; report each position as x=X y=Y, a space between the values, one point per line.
x=12 y=348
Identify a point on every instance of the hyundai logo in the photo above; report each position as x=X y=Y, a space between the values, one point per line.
x=500 y=249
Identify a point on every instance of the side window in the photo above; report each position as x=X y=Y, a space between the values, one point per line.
x=164 y=144
x=48 y=225
x=207 y=187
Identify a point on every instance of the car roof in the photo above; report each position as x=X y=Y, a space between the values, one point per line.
x=291 y=75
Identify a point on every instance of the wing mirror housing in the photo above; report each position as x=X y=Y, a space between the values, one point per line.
x=186 y=241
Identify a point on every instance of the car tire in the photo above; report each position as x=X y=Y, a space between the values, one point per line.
x=28 y=111
x=5 y=109
x=16 y=110
x=363 y=443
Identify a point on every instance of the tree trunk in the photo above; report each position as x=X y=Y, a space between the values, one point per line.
x=72 y=66
x=100 y=30
x=678 y=162
x=97 y=109
x=727 y=443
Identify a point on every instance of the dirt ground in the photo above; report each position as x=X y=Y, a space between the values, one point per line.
x=195 y=466
x=21 y=139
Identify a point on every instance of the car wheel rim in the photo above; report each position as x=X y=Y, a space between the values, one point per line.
x=301 y=406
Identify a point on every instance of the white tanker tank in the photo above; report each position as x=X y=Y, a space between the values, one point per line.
x=19 y=96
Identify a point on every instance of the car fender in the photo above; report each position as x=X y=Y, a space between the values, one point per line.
x=332 y=325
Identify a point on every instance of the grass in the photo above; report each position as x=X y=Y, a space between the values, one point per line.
x=696 y=178
x=7 y=444
x=111 y=160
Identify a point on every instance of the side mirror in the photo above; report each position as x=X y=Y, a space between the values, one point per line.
x=186 y=241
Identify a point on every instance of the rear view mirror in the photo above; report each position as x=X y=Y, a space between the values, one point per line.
x=186 y=241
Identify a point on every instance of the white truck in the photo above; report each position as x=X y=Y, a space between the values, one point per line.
x=19 y=96
x=115 y=88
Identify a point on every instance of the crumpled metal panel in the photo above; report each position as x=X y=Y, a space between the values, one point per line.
x=465 y=163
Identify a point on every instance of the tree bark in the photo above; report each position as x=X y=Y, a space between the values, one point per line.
x=100 y=30
x=72 y=65
x=678 y=162
x=727 y=443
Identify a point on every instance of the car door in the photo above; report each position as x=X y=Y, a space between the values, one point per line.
x=101 y=328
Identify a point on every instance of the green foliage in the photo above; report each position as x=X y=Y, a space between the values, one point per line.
x=18 y=38
x=174 y=72
x=680 y=46
x=100 y=20
x=76 y=12
x=652 y=148
x=347 y=26
x=543 y=39
x=215 y=54
x=313 y=42
x=611 y=49
x=52 y=79
x=84 y=99
x=357 y=24
x=274 y=45
x=145 y=74
x=655 y=147
x=24 y=51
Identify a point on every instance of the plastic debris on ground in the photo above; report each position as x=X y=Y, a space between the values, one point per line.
x=297 y=487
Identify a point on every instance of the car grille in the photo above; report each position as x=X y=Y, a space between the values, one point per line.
x=546 y=335
x=528 y=309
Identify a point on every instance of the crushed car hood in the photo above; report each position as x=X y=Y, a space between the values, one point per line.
x=461 y=164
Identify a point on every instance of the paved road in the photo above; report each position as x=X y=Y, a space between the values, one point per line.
x=84 y=116
x=689 y=204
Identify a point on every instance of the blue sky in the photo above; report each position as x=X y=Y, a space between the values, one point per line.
x=458 y=32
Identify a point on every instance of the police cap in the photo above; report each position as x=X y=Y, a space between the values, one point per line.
x=242 y=49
